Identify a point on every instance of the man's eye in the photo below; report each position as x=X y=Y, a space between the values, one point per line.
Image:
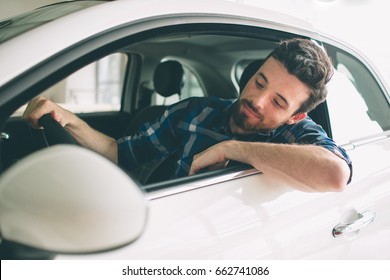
x=277 y=103
x=259 y=85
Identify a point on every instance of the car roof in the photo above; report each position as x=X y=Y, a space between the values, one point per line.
x=38 y=44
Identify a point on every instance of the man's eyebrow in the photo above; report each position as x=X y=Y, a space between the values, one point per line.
x=261 y=74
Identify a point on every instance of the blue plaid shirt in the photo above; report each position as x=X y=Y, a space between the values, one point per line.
x=195 y=124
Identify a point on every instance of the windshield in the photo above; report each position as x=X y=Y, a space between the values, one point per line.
x=12 y=27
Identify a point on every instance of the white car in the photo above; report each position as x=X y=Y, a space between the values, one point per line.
x=66 y=202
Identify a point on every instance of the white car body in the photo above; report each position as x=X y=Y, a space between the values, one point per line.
x=240 y=215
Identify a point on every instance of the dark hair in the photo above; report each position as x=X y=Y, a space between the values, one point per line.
x=307 y=61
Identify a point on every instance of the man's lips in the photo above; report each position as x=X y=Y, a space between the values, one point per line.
x=250 y=112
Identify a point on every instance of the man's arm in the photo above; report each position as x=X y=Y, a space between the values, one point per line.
x=313 y=168
x=80 y=130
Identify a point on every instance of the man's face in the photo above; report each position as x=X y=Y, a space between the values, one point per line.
x=269 y=100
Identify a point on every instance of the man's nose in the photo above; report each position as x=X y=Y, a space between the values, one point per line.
x=261 y=100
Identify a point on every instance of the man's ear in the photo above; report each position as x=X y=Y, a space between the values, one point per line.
x=296 y=118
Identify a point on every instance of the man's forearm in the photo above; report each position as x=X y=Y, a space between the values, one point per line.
x=93 y=139
x=314 y=167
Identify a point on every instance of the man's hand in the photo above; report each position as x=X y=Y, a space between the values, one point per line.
x=80 y=130
x=40 y=106
x=213 y=158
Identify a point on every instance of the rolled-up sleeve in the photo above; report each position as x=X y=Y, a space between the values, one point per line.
x=308 y=132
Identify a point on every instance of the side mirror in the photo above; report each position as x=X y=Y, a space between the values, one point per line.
x=66 y=199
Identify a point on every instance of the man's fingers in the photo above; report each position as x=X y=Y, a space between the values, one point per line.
x=217 y=166
x=34 y=110
x=39 y=106
x=212 y=158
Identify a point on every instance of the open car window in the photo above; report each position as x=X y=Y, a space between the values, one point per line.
x=96 y=87
x=358 y=107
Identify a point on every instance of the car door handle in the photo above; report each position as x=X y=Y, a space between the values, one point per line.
x=363 y=220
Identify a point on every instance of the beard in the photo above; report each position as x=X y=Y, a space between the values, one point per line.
x=242 y=121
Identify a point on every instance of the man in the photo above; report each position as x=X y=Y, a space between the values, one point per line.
x=267 y=127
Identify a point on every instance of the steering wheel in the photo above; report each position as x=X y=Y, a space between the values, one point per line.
x=54 y=133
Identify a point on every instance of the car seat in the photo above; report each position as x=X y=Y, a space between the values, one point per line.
x=167 y=81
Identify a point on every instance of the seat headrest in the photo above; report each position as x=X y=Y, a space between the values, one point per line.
x=168 y=78
x=249 y=71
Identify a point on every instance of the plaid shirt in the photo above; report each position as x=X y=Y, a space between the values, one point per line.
x=195 y=124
